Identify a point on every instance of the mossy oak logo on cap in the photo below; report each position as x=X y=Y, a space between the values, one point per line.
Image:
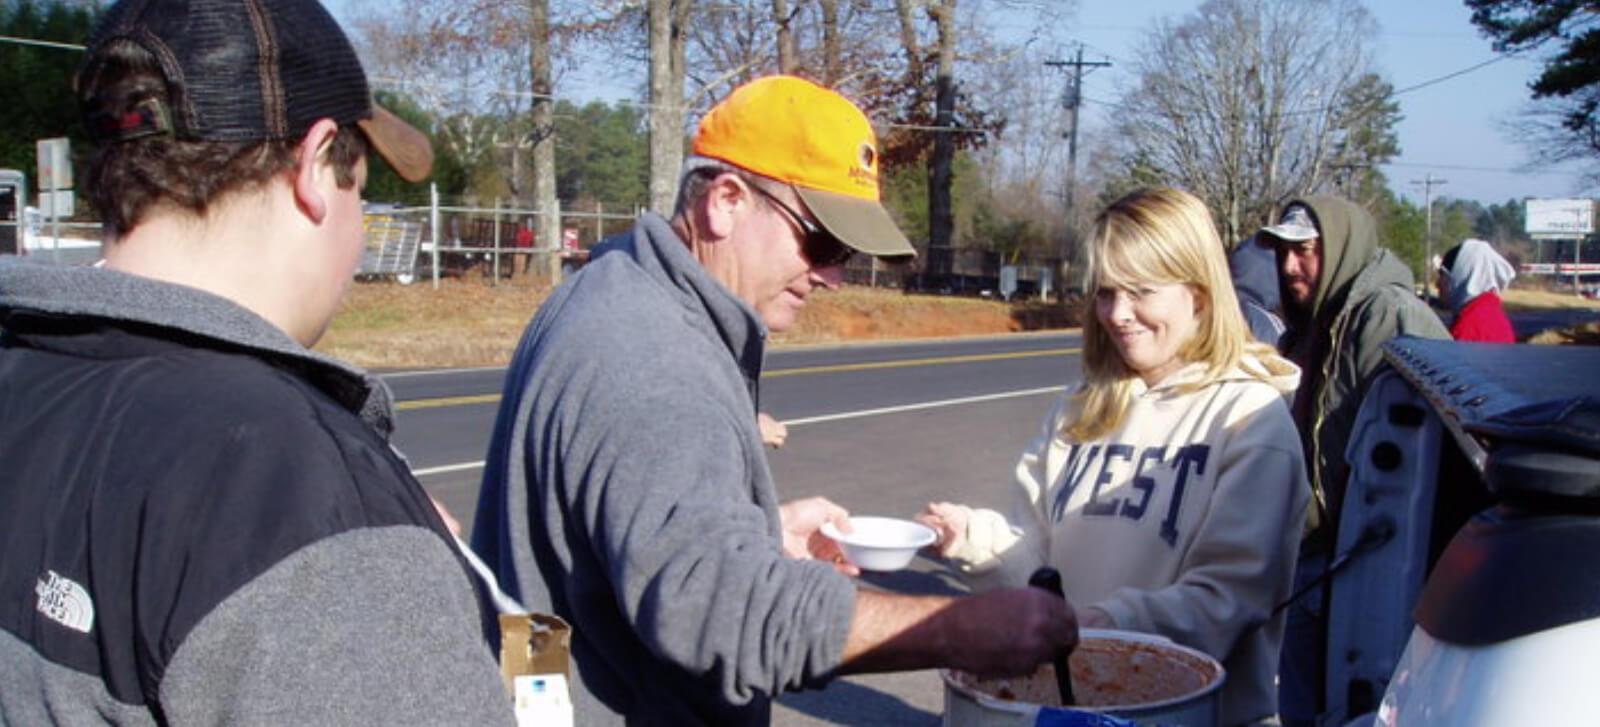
x=65 y=602
x=866 y=169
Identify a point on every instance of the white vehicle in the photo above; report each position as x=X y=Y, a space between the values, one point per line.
x=29 y=233
x=66 y=243
x=1468 y=593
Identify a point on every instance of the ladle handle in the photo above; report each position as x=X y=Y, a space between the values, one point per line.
x=1049 y=579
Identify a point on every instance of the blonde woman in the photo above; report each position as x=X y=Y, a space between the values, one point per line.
x=1168 y=487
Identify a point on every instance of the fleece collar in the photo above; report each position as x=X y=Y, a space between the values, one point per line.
x=46 y=290
x=665 y=257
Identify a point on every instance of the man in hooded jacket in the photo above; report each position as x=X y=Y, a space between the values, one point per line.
x=1343 y=297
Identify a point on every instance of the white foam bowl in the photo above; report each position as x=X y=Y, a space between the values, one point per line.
x=881 y=543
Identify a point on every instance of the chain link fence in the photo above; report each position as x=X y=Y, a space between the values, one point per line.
x=499 y=245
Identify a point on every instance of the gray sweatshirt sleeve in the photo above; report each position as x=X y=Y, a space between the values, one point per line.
x=681 y=511
x=371 y=626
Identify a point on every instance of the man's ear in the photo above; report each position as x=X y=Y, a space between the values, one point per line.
x=724 y=202
x=312 y=169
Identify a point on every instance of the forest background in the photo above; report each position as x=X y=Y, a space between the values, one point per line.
x=1244 y=102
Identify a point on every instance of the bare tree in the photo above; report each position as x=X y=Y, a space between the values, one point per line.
x=486 y=69
x=829 y=10
x=1240 y=101
x=781 y=18
x=543 y=104
x=668 y=22
x=941 y=219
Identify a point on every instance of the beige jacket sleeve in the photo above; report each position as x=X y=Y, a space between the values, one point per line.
x=1001 y=551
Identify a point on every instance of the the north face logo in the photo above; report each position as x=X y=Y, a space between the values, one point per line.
x=65 y=602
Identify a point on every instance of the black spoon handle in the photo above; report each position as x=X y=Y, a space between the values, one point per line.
x=1049 y=579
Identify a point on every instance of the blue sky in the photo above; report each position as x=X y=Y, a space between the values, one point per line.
x=1453 y=130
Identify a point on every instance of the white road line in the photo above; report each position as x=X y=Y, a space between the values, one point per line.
x=923 y=405
x=819 y=419
x=424 y=472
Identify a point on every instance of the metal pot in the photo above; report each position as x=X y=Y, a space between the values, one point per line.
x=1107 y=664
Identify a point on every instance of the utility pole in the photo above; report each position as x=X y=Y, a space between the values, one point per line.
x=1072 y=99
x=1428 y=182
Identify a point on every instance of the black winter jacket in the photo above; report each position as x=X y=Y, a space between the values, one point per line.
x=198 y=525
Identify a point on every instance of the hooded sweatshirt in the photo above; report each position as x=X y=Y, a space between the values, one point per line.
x=627 y=491
x=1365 y=296
x=1183 y=522
x=1476 y=276
x=1255 y=279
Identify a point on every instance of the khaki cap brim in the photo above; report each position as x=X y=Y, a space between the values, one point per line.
x=862 y=224
x=406 y=149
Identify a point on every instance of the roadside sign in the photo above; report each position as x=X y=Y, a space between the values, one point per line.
x=59 y=203
x=1008 y=281
x=55 y=163
x=1561 y=268
x=1559 y=218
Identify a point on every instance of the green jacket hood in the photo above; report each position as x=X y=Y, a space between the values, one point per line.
x=1349 y=242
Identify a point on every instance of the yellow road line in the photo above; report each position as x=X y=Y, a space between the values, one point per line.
x=447 y=401
x=836 y=368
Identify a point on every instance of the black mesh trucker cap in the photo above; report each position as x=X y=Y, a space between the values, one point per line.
x=247 y=70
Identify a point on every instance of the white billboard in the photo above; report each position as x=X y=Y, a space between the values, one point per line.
x=1560 y=218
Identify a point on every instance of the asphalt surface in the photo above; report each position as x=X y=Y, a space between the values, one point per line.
x=879 y=429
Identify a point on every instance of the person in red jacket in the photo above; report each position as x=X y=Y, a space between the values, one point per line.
x=1470 y=277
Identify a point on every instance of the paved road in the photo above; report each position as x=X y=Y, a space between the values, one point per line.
x=445 y=417
x=880 y=429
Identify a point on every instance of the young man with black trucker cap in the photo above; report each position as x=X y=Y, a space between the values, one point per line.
x=203 y=520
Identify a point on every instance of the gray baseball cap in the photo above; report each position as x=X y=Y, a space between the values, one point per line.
x=1296 y=225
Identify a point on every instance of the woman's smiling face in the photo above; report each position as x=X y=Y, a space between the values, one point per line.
x=1149 y=323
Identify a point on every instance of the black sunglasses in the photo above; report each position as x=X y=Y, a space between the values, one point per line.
x=822 y=249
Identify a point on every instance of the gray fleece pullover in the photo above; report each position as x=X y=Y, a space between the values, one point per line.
x=627 y=491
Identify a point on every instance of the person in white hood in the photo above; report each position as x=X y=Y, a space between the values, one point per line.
x=1471 y=276
x=1168 y=487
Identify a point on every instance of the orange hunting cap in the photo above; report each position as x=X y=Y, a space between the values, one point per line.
x=811 y=138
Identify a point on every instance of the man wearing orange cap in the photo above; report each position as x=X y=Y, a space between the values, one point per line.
x=626 y=488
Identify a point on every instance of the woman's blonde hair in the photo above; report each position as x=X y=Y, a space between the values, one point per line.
x=1157 y=235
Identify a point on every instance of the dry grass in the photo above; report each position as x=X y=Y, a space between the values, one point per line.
x=855 y=314
x=385 y=325
x=1587 y=334
x=469 y=323
x=1531 y=299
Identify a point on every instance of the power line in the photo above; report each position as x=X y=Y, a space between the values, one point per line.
x=1324 y=109
x=1451 y=75
x=1466 y=168
x=39 y=43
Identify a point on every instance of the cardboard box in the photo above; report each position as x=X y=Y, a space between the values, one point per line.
x=533 y=644
x=535 y=653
